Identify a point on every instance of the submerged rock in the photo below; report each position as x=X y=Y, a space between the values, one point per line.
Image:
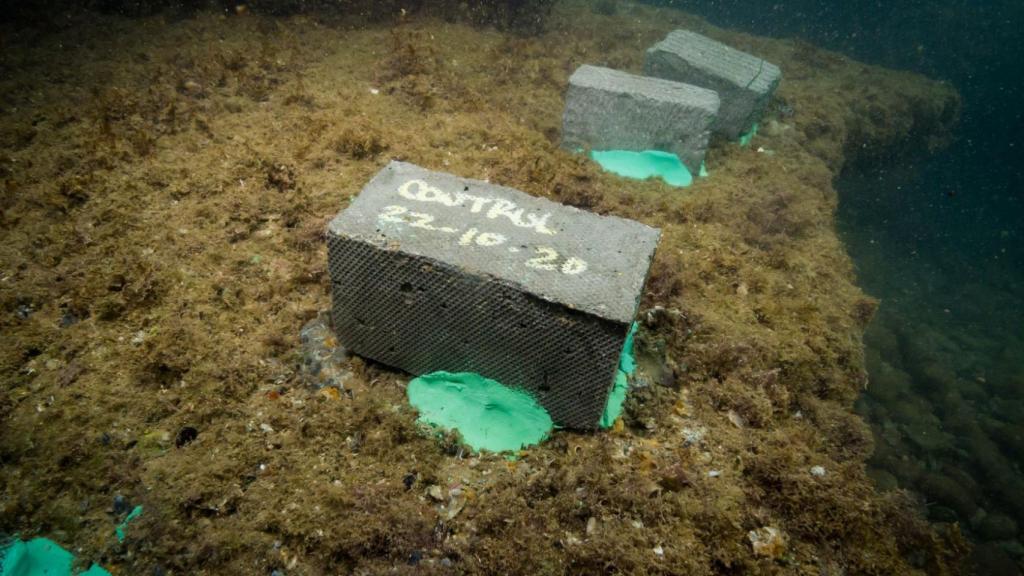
x=946 y=491
x=997 y=527
x=884 y=480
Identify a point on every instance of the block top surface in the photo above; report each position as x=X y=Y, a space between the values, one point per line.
x=659 y=89
x=595 y=264
x=712 y=57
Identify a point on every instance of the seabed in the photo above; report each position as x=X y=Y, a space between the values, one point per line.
x=166 y=185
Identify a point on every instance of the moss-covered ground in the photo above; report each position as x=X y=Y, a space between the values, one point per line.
x=166 y=184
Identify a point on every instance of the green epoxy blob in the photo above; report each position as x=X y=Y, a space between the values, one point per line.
x=40 y=556
x=641 y=165
x=746 y=137
x=627 y=361
x=488 y=415
x=124 y=523
x=617 y=397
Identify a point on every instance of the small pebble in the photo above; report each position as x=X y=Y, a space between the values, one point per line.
x=693 y=436
x=659 y=551
x=817 y=470
x=436 y=492
x=767 y=541
x=737 y=420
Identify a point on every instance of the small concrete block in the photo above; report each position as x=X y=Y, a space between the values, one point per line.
x=607 y=109
x=432 y=272
x=744 y=82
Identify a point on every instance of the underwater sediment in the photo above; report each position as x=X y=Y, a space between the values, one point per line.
x=167 y=182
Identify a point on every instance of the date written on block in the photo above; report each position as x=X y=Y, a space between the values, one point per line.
x=440 y=201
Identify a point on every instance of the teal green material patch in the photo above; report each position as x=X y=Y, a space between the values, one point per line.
x=617 y=397
x=488 y=415
x=124 y=523
x=627 y=362
x=642 y=165
x=41 y=556
x=746 y=137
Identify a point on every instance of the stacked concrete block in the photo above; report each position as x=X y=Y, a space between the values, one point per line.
x=744 y=83
x=611 y=110
x=431 y=272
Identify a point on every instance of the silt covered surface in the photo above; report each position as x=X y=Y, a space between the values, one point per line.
x=166 y=186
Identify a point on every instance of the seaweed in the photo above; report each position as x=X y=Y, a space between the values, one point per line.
x=164 y=247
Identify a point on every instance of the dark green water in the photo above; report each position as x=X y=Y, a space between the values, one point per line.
x=940 y=242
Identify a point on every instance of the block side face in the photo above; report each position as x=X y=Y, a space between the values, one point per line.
x=421 y=316
x=596 y=264
x=604 y=119
x=744 y=82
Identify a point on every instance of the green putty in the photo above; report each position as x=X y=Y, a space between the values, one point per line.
x=642 y=165
x=489 y=415
x=40 y=556
x=617 y=397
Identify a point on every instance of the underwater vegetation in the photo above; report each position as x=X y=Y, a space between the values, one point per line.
x=167 y=179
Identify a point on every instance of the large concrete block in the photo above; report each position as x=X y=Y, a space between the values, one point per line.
x=745 y=83
x=607 y=109
x=430 y=272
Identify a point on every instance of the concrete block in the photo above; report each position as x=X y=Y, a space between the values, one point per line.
x=431 y=272
x=607 y=109
x=745 y=83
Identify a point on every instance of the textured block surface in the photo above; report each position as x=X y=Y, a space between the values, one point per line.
x=432 y=272
x=744 y=83
x=607 y=109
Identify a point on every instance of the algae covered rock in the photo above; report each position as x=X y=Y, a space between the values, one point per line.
x=948 y=492
x=997 y=527
x=887 y=383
